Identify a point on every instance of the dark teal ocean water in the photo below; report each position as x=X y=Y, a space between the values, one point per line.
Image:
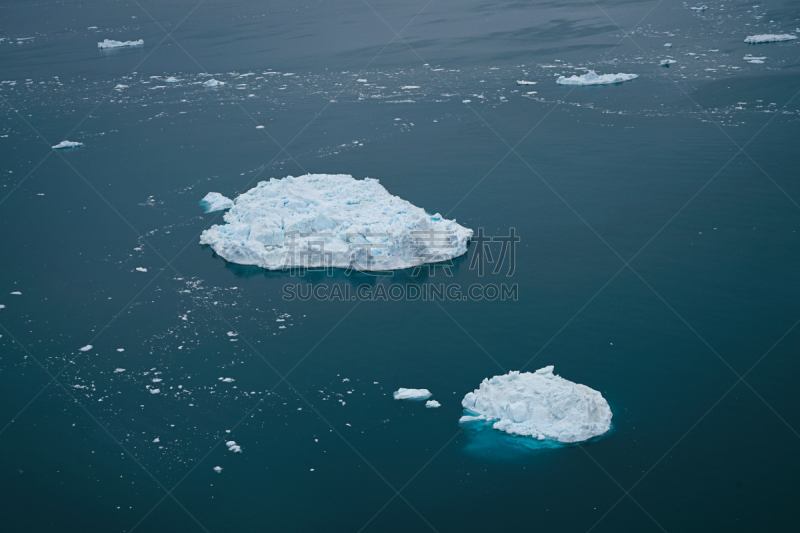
x=658 y=264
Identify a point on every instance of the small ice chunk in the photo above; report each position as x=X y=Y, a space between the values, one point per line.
x=141 y=269
x=592 y=78
x=523 y=82
x=86 y=348
x=214 y=201
x=217 y=469
x=233 y=447
x=16 y=293
x=63 y=145
x=259 y=127
x=227 y=380
x=406 y=87
x=667 y=45
x=770 y=38
x=172 y=79
x=118 y=370
x=156 y=439
x=213 y=83
x=155 y=391
x=432 y=404
x=411 y=394
x=699 y=8
x=667 y=62
x=109 y=43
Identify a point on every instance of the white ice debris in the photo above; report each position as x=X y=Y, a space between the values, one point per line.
x=156 y=439
x=214 y=201
x=539 y=404
x=667 y=45
x=86 y=348
x=407 y=87
x=332 y=220
x=259 y=127
x=432 y=404
x=155 y=391
x=699 y=8
x=67 y=144
x=108 y=43
x=141 y=269
x=750 y=57
x=667 y=62
x=217 y=469
x=523 y=82
x=213 y=83
x=118 y=370
x=172 y=79
x=227 y=380
x=411 y=394
x=232 y=446
x=770 y=38
x=592 y=78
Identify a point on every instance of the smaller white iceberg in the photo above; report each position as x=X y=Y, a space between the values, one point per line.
x=109 y=43
x=213 y=83
x=214 y=201
x=770 y=38
x=539 y=404
x=218 y=469
x=86 y=348
x=667 y=62
x=412 y=394
x=667 y=45
x=432 y=404
x=523 y=82
x=63 y=145
x=232 y=446
x=592 y=78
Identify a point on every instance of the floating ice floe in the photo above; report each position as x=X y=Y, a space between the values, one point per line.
x=217 y=469
x=770 y=38
x=259 y=127
x=85 y=348
x=539 y=404
x=172 y=79
x=411 y=394
x=322 y=220
x=523 y=82
x=407 y=87
x=213 y=83
x=155 y=391
x=667 y=62
x=667 y=45
x=214 y=201
x=232 y=446
x=432 y=404
x=118 y=370
x=699 y=8
x=592 y=78
x=227 y=380
x=109 y=43
x=67 y=144
x=141 y=269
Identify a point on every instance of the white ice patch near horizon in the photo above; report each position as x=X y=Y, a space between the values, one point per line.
x=539 y=404
x=284 y=223
x=214 y=201
x=770 y=38
x=67 y=144
x=109 y=43
x=592 y=78
x=411 y=394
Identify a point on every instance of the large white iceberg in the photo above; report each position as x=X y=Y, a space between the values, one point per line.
x=539 y=404
x=109 y=43
x=592 y=78
x=67 y=144
x=769 y=38
x=411 y=394
x=214 y=201
x=322 y=220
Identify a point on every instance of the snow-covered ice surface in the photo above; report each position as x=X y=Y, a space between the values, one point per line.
x=214 y=201
x=539 y=404
x=359 y=223
x=109 y=43
x=592 y=78
x=67 y=144
x=411 y=394
x=770 y=38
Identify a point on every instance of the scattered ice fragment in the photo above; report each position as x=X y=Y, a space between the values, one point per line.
x=233 y=447
x=156 y=439
x=118 y=370
x=699 y=8
x=67 y=144
x=156 y=380
x=432 y=404
x=769 y=38
x=540 y=403
x=16 y=293
x=232 y=334
x=217 y=469
x=522 y=82
x=214 y=201
x=361 y=80
x=259 y=127
x=667 y=62
x=750 y=57
x=227 y=380
x=172 y=79
x=411 y=394
x=120 y=349
x=108 y=43
x=667 y=45
x=155 y=391
x=361 y=224
x=410 y=87
x=85 y=348
x=141 y=269
x=213 y=83
x=466 y=101
x=592 y=78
